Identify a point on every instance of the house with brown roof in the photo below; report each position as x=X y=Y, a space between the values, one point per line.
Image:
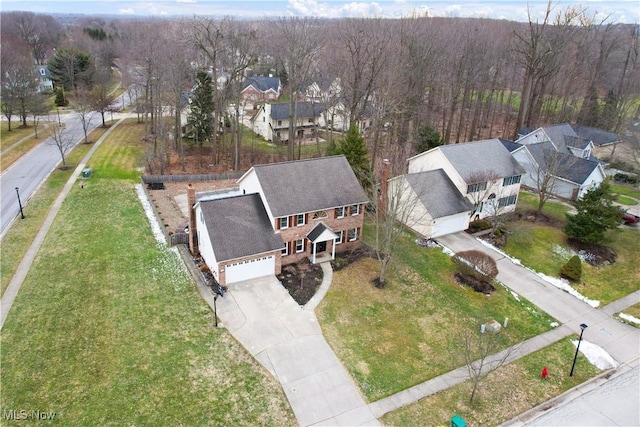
x=281 y=214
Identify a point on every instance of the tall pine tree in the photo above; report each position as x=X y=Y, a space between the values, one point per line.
x=200 y=119
x=355 y=150
x=596 y=214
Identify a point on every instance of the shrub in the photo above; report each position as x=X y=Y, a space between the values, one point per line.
x=572 y=270
x=481 y=224
x=476 y=264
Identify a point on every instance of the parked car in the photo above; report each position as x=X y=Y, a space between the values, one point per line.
x=630 y=219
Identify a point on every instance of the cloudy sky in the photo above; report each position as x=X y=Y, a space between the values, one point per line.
x=623 y=11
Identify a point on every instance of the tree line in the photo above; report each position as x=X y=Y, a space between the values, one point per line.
x=465 y=79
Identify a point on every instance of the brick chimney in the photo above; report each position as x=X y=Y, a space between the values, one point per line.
x=384 y=186
x=193 y=234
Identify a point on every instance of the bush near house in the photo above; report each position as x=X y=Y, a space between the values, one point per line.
x=476 y=269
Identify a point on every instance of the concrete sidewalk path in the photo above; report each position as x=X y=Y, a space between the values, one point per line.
x=621 y=341
x=287 y=340
x=9 y=295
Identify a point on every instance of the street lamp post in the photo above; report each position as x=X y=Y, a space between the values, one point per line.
x=19 y=203
x=215 y=311
x=583 y=326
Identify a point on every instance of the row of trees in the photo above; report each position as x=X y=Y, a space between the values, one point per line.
x=465 y=78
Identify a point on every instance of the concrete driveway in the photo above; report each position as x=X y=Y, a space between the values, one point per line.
x=288 y=341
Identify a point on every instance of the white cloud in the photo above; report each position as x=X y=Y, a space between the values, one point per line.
x=186 y=1
x=127 y=11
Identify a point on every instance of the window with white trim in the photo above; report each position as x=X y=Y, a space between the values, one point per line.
x=299 y=245
x=285 y=248
x=340 y=212
x=300 y=219
x=479 y=186
x=352 y=234
x=340 y=237
x=355 y=210
x=507 y=201
x=284 y=222
x=511 y=180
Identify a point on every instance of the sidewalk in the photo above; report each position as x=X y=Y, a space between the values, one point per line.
x=9 y=295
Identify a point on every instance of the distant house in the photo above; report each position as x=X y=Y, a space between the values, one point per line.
x=261 y=89
x=45 y=80
x=281 y=214
x=271 y=121
x=557 y=158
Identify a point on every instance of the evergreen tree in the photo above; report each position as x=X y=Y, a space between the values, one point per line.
x=596 y=214
x=200 y=119
x=428 y=138
x=355 y=150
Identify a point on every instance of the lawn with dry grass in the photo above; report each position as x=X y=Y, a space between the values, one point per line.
x=504 y=394
x=410 y=331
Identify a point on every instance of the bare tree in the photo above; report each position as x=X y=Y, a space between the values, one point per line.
x=101 y=97
x=38 y=106
x=83 y=110
x=61 y=138
x=481 y=356
x=19 y=85
x=296 y=43
x=481 y=189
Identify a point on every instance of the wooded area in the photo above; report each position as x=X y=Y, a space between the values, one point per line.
x=468 y=79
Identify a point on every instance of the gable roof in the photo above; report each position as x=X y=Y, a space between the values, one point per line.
x=303 y=109
x=263 y=84
x=489 y=155
x=437 y=193
x=565 y=165
x=240 y=225
x=597 y=136
x=309 y=185
x=510 y=145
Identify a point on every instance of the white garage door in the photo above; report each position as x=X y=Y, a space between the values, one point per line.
x=250 y=269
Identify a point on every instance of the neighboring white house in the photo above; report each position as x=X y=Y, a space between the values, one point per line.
x=45 y=80
x=556 y=158
x=483 y=171
x=271 y=121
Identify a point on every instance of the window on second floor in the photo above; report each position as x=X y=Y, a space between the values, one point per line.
x=300 y=219
x=284 y=222
x=340 y=212
x=310 y=120
x=479 y=186
x=355 y=210
x=510 y=180
x=279 y=122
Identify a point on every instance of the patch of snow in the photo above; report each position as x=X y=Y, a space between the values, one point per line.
x=500 y=251
x=515 y=295
x=557 y=282
x=448 y=251
x=562 y=251
x=565 y=286
x=155 y=227
x=596 y=355
x=554 y=324
x=629 y=318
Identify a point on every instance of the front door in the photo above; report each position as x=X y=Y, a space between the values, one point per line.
x=321 y=247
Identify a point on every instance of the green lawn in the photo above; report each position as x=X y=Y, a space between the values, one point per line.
x=109 y=329
x=393 y=338
x=624 y=200
x=19 y=237
x=626 y=190
x=552 y=208
x=504 y=394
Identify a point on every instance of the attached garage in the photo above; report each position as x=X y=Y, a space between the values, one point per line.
x=250 y=269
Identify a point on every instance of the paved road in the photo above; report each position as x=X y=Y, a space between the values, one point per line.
x=30 y=171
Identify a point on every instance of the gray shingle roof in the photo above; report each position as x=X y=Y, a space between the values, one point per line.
x=303 y=109
x=263 y=84
x=510 y=145
x=239 y=227
x=564 y=165
x=487 y=156
x=309 y=185
x=598 y=136
x=437 y=193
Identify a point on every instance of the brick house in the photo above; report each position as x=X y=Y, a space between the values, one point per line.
x=261 y=89
x=281 y=214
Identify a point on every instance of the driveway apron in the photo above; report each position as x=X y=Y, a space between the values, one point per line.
x=287 y=340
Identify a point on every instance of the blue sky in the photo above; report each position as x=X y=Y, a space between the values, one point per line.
x=624 y=11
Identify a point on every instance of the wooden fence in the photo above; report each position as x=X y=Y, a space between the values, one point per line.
x=156 y=179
